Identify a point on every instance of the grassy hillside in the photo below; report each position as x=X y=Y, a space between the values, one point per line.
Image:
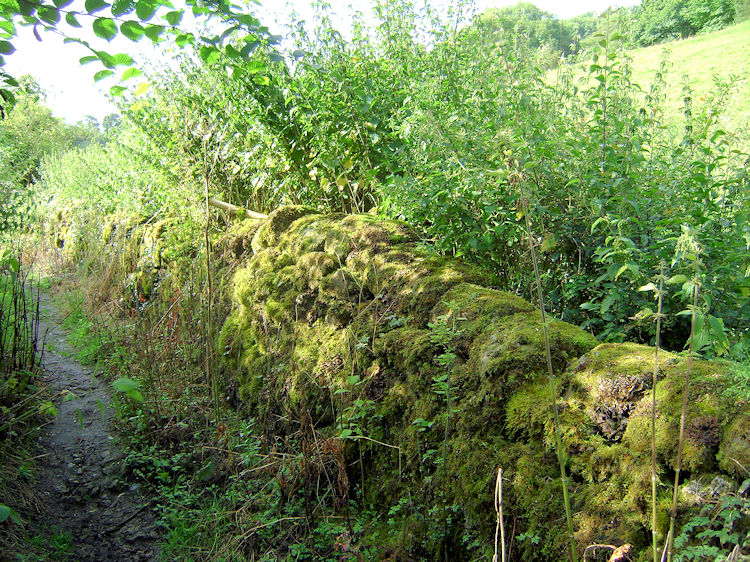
x=720 y=53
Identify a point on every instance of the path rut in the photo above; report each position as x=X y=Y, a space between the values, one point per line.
x=82 y=477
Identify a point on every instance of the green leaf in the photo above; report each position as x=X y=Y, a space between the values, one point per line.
x=154 y=32
x=677 y=280
x=141 y=89
x=184 y=39
x=121 y=59
x=649 y=287
x=276 y=57
x=95 y=5
x=49 y=14
x=9 y=30
x=206 y=472
x=145 y=9
x=209 y=55
x=122 y=7
x=62 y=3
x=13 y=264
x=255 y=66
x=6 y=48
x=105 y=28
x=249 y=48
x=124 y=384
x=88 y=59
x=131 y=73
x=174 y=18
x=132 y=30
x=102 y=74
x=345 y=433
x=5 y=512
x=70 y=18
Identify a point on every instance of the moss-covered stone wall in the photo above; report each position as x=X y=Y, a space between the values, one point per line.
x=352 y=319
x=427 y=379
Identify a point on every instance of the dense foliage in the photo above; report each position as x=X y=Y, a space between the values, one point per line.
x=463 y=125
x=441 y=127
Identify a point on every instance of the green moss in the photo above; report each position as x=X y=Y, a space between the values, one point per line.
x=276 y=224
x=326 y=297
x=734 y=453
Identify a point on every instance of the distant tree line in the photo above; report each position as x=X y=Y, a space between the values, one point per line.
x=653 y=21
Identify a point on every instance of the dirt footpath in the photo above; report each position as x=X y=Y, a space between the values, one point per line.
x=81 y=478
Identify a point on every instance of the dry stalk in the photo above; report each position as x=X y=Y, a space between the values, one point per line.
x=518 y=179
x=683 y=416
x=499 y=526
x=660 y=299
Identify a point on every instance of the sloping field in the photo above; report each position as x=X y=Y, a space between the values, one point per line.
x=720 y=54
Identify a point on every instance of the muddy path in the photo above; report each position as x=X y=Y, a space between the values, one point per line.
x=82 y=480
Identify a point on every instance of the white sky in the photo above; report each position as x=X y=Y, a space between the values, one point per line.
x=73 y=94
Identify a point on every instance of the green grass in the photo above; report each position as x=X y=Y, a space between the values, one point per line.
x=700 y=58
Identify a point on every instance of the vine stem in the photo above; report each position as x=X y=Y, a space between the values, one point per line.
x=550 y=371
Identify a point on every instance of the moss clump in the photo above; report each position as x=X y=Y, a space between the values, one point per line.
x=275 y=225
x=339 y=316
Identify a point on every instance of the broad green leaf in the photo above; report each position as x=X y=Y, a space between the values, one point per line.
x=88 y=59
x=174 y=18
x=13 y=264
x=121 y=59
x=141 y=89
x=47 y=408
x=49 y=14
x=677 y=280
x=6 y=48
x=249 y=48
x=106 y=59
x=62 y=3
x=124 y=384
x=648 y=287
x=26 y=8
x=208 y=54
x=145 y=9
x=5 y=512
x=206 y=472
x=105 y=28
x=131 y=73
x=255 y=66
x=276 y=57
x=132 y=30
x=154 y=32
x=102 y=74
x=95 y=5
x=9 y=30
x=70 y=18
x=184 y=39
x=345 y=433
x=122 y=7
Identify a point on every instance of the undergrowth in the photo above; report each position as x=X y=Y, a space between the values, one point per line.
x=25 y=407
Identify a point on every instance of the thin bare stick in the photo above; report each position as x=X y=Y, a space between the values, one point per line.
x=685 y=393
x=499 y=526
x=550 y=371
x=660 y=298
